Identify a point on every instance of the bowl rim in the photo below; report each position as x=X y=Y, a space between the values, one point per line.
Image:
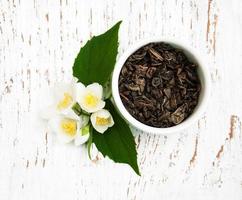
x=202 y=100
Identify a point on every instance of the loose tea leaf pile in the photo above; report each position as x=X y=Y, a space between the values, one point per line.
x=159 y=86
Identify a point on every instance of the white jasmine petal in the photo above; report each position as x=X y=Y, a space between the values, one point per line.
x=97 y=89
x=60 y=88
x=64 y=138
x=98 y=106
x=65 y=128
x=90 y=98
x=79 y=140
x=79 y=91
x=72 y=115
x=101 y=120
x=64 y=97
x=93 y=151
x=82 y=136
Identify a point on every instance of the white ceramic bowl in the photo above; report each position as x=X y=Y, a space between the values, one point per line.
x=203 y=98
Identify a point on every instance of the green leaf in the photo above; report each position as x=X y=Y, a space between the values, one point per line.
x=118 y=141
x=96 y=60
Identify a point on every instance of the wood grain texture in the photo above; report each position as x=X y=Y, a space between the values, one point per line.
x=39 y=40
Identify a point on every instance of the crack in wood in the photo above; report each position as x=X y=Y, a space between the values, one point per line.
x=43 y=163
x=214 y=33
x=220 y=152
x=194 y=156
x=27 y=164
x=208 y=18
x=47 y=17
x=233 y=120
x=46 y=142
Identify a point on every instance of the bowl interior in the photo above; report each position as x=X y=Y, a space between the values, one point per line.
x=203 y=97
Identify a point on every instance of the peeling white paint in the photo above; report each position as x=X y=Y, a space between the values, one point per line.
x=38 y=43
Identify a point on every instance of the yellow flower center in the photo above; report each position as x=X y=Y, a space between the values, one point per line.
x=69 y=126
x=91 y=100
x=65 y=102
x=103 y=121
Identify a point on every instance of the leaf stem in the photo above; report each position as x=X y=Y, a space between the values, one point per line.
x=89 y=144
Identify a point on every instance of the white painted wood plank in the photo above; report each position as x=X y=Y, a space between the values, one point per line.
x=38 y=43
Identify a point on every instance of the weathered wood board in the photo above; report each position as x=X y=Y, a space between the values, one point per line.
x=39 y=40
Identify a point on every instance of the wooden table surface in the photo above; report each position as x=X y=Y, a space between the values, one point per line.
x=39 y=40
